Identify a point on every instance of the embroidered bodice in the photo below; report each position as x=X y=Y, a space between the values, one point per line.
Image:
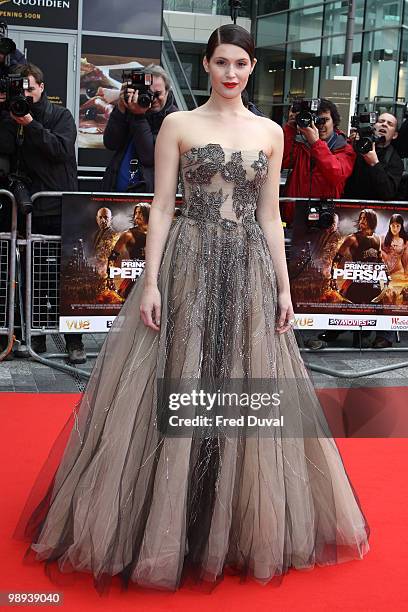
x=222 y=184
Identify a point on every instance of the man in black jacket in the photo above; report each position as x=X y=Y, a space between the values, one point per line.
x=44 y=152
x=377 y=175
x=131 y=132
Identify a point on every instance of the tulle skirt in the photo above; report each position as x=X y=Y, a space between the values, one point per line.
x=118 y=495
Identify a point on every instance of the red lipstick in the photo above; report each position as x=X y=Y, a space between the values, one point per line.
x=230 y=85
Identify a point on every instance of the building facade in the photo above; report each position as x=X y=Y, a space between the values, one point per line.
x=302 y=42
x=299 y=44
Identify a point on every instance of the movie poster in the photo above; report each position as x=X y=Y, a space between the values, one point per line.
x=102 y=256
x=349 y=266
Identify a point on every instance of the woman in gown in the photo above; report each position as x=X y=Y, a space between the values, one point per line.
x=117 y=495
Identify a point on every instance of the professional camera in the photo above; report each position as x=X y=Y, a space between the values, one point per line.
x=14 y=86
x=307 y=112
x=320 y=215
x=142 y=81
x=364 y=124
x=7 y=45
x=18 y=185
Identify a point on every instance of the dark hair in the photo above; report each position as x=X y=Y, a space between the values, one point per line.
x=329 y=106
x=245 y=98
x=371 y=217
x=144 y=208
x=230 y=34
x=403 y=234
x=26 y=70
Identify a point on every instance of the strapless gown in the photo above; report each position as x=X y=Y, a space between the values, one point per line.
x=118 y=496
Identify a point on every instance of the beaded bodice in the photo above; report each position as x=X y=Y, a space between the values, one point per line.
x=222 y=184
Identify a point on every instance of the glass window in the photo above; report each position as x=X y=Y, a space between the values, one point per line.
x=272 y=6
x=271 y=30
x=269 y=78
x=306 y=23
x=380 y=64
x=223 y=8
x=333 y=56
x=403 y=68
x=380 y=14
x=302 y=70
x=335 y=18
x=208 y=7
x=294 y=4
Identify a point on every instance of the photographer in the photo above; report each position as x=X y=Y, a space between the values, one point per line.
x=377 y=174
x=41 y=144
x=319 y=157
x=131 y=132
x=10 y=56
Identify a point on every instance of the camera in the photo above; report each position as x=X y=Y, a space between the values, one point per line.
x=320 y=215
x=14 y=86
x=7 y=45
x=18 y=185
x=307 y=112
x=364 y=124
x=142 y=81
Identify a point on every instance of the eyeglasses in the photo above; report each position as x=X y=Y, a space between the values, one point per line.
x=323 y=120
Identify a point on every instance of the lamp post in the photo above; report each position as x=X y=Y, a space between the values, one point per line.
x=348 y=52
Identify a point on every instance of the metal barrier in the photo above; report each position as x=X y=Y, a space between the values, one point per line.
x=42 y=284
x=42 y=294
x=8 y=242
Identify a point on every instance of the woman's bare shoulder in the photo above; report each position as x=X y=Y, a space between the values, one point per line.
x=178 y=117
x=273 y=127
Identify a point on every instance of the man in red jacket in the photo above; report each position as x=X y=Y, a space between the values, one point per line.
x=320 y=158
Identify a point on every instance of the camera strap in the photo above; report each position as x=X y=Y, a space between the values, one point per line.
x=19 y=143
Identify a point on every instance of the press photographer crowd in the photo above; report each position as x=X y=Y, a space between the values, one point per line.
x=37 y=153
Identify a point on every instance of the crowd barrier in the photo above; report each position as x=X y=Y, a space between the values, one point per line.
x=42 y=285
x=8 y=248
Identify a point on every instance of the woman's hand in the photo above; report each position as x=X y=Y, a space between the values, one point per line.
x=286 y=315
x=150 y=307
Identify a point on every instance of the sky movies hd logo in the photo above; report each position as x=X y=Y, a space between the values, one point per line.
x=353 y=322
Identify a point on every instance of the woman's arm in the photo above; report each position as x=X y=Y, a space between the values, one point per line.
x=167 y=159
x=268 y=217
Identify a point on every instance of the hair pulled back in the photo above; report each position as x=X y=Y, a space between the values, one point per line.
x=230 y=34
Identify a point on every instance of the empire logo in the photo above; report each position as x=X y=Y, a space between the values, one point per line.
x=78 y=325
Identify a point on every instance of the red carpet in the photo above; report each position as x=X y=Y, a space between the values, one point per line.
x=378 y=471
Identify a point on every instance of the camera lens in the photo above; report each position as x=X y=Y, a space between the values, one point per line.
x=363 y=145
x=304 y=120
x=145 y=99
x=19 y=106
